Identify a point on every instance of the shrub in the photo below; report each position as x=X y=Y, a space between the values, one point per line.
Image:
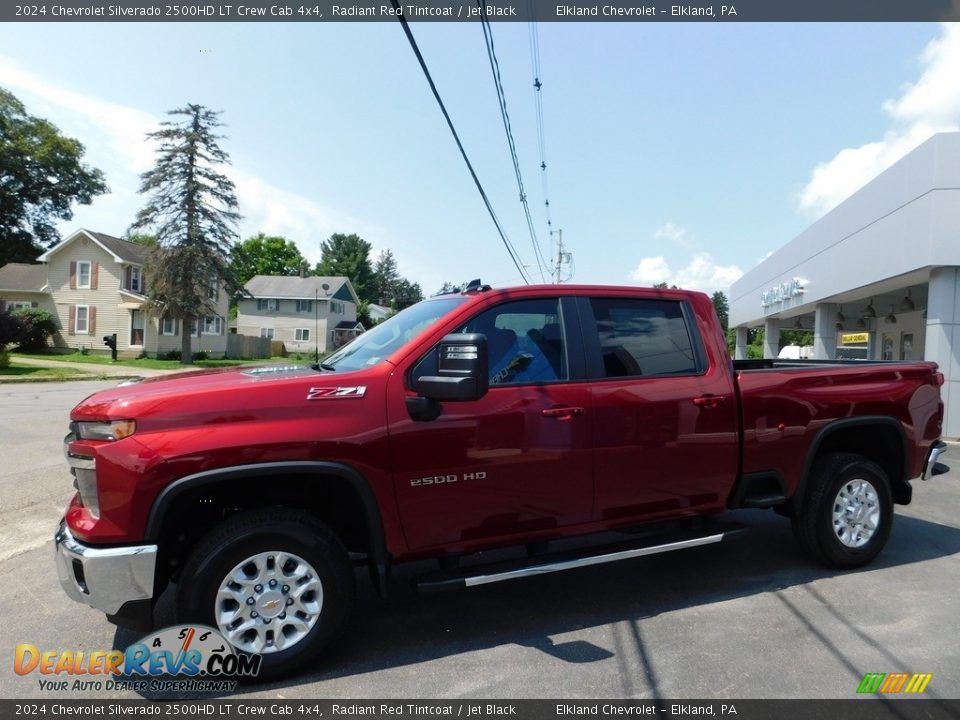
x=201 y=355
x=4 y=359
x=171 y=355
x=11 y=329
x=38 y=326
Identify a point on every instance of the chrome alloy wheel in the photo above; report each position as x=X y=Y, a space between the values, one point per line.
x=856 y=513
x=269 y=602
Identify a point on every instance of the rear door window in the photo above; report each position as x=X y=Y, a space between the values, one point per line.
x=644 y=338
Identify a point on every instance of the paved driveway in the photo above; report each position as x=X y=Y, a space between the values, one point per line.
x=752 y=618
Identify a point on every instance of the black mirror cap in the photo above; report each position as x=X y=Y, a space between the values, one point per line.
x=462 y=369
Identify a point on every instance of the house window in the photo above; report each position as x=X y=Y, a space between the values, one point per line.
x=266 y=332
x=267 y=305
x=213 y=325
x=83 y=274
x=135 y=279
x=80 y=325
x=305 y=306
x=303 y=334
x=21 y=305
x=168 y=326
x=194 y=328
x=213 y=290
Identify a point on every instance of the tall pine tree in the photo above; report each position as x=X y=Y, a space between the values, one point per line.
x=192 y=211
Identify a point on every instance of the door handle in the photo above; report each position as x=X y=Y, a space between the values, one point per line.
x=562 y=413
x=709 y=401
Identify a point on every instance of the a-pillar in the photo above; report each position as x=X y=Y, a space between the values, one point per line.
x=825 y=332
x=942 y=344
x=771 y=337
x=740 y=349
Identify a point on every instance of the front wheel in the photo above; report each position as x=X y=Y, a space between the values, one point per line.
x=274 y=582
x=847 y=512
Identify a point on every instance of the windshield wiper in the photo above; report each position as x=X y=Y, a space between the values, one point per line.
x=323 y=366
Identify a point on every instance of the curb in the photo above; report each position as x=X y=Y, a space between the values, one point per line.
x=70 y=378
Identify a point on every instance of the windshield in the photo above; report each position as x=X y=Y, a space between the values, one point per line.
x=383 y=339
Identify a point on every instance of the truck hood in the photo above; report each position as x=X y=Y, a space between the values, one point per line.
x=206 y=392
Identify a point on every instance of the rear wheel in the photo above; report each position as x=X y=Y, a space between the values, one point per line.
x=847 y=512
x=274 y=582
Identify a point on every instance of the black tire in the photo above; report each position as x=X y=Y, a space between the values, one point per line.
x=259 y=531
x=814 y=527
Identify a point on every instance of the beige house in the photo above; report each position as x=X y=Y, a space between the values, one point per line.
x=304 y=313
x=94 y=285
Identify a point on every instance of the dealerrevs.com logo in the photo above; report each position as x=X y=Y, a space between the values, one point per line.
x=182 y=658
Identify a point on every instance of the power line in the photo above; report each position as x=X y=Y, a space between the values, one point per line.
x=511 y=143
x=486 y=201
x=534 y=35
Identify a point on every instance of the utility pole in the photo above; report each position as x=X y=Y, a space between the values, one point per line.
x=562 y=257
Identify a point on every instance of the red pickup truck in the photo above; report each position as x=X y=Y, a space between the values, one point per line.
x=480 y=419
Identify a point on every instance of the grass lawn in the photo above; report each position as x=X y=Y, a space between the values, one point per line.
x=29 y=372
x=147 y=362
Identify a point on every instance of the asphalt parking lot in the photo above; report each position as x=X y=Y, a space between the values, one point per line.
x=749 y=619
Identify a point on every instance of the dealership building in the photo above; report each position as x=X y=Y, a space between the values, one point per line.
x=878 y=277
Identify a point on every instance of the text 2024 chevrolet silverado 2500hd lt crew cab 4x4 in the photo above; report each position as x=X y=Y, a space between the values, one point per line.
x=469 y=421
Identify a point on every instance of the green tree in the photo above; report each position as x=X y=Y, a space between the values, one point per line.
x=145 y=239
x=192 y=210
x=265 y=255
x=722 y=307
x=385 y=278
x=41 y=177
x=348 y=256
x=449 y=287
x=406 y=294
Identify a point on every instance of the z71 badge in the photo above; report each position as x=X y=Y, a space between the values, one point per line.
x=324 y=393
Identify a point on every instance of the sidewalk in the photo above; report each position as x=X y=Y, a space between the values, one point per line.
x=97 y=369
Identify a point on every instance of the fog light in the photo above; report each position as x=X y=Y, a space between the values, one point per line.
x=87 y=485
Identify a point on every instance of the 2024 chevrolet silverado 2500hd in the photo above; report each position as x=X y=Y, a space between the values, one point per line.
x=469 y=421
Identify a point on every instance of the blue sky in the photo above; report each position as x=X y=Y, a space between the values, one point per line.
x=677 y=152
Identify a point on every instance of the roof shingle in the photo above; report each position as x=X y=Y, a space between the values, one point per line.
x=21 y=277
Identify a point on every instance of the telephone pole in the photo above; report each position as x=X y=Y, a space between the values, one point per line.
x=562 y=257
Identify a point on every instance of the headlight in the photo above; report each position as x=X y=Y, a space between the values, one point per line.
x=116 y=430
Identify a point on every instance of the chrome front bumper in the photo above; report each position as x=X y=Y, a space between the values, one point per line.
x=104 y=578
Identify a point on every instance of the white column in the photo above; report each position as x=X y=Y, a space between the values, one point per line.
x=740 y=349
x=825 y=332
x=771 y=337
x=942 y=344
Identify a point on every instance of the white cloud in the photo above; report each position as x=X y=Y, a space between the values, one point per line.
x=652 y=270
x=114 y=139
x=675 y=234
x=701 y=273
x=927 y=106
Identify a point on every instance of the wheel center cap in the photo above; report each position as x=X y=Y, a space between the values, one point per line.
x=270 y=604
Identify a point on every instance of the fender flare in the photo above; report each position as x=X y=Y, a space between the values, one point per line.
x=900 y=485
x=375 y=535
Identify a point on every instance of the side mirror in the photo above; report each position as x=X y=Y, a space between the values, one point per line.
x=462 y=369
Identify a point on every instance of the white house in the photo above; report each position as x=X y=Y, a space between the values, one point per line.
x=305 y=313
